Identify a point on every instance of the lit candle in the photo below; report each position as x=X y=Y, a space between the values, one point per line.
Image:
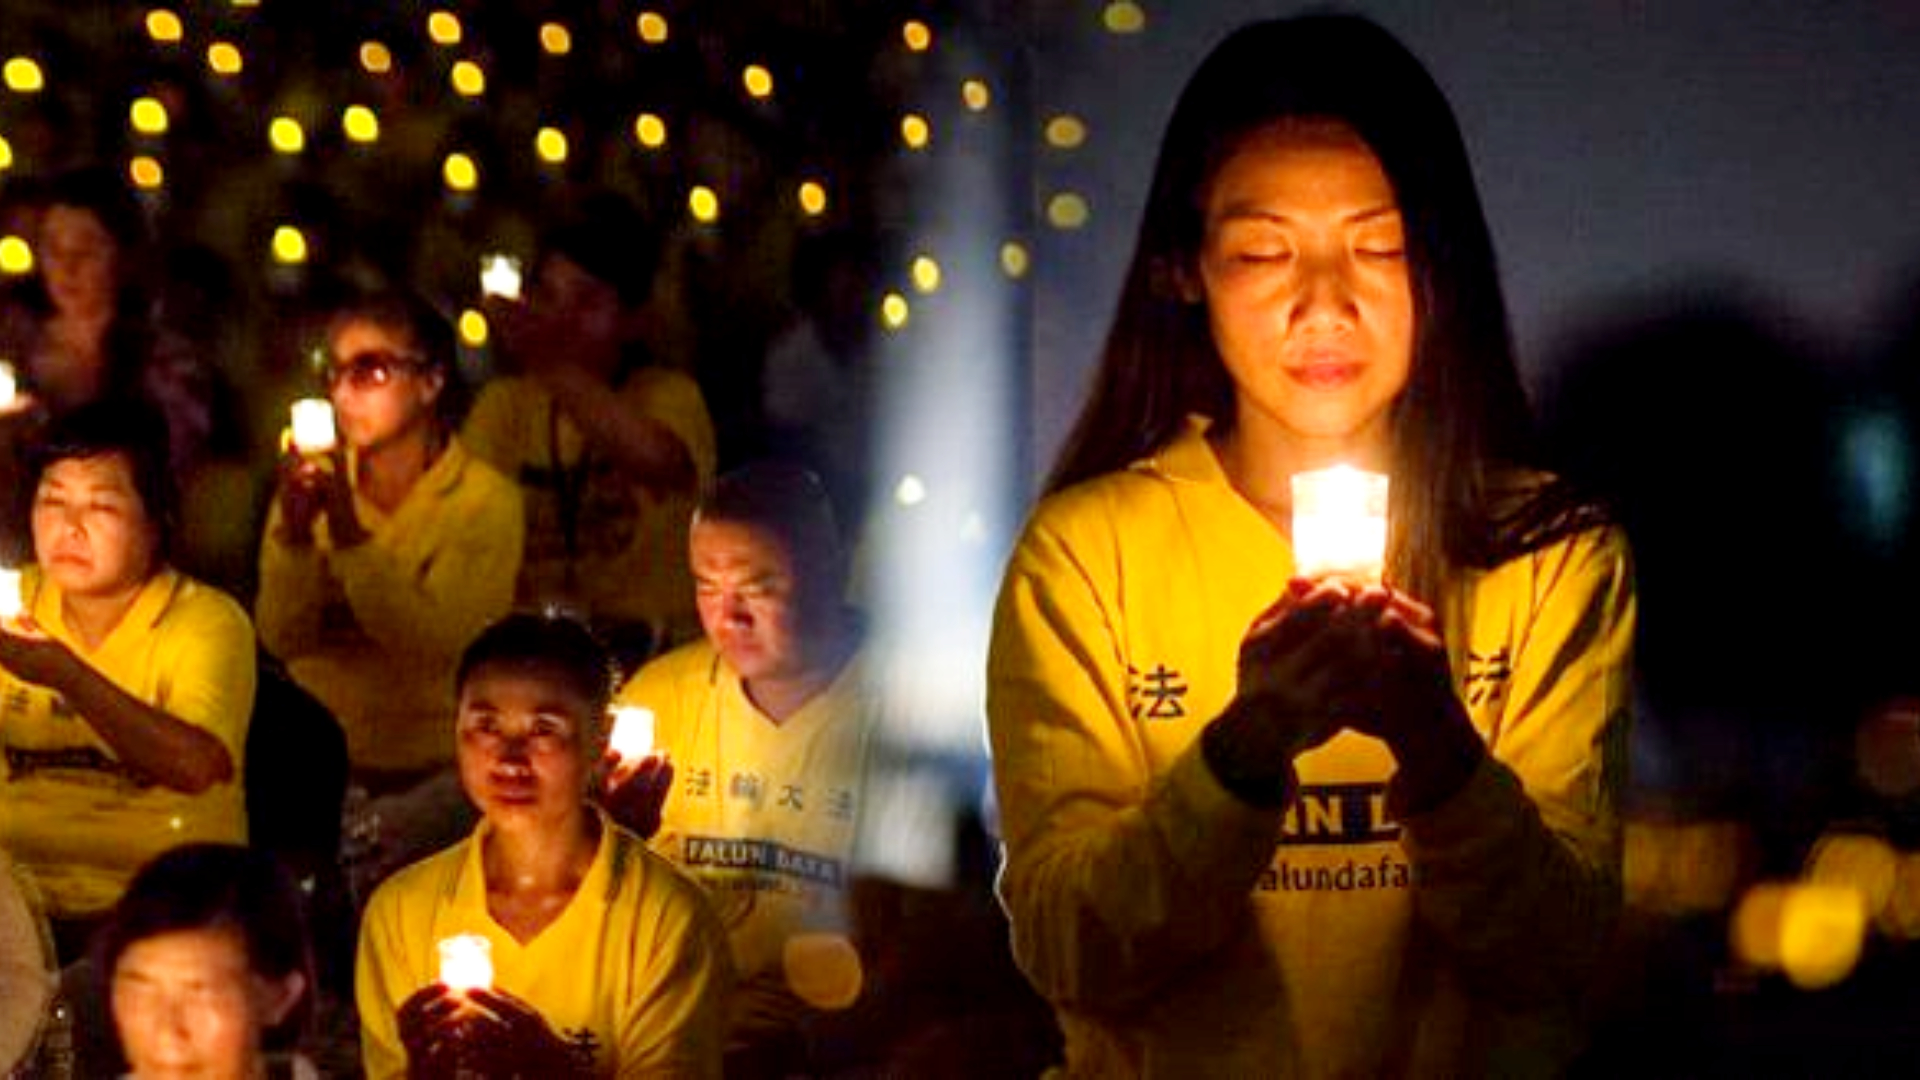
x=1339 y=523
x=9 y=385
x=466 y=962
x=313 y=426
x=632 y=732
x=500 y=276
x=10 y=601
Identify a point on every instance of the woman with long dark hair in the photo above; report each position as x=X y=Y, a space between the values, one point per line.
x=1263 y=824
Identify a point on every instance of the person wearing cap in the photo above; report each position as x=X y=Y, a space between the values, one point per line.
x=609 y=447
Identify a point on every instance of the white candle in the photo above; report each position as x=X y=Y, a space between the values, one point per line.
x=313 y=431
x=466 y=962
x=9 y=385
x=1339 y=523
x=10 y=600
x=500 y=276
x=632 y=732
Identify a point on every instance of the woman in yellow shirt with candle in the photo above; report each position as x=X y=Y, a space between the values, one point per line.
x=1260 y=824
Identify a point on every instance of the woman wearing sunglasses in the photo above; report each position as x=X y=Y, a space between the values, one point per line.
x=385 y=556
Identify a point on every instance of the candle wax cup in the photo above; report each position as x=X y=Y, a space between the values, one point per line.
x=10 y=600
x=632 y=732
x=9 y=384
x=1340 y=523
x=466 y=962
x=313 y=430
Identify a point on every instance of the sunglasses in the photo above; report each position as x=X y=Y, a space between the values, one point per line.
x=371 y=369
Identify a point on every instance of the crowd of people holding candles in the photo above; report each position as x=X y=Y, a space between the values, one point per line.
x=1307 y=698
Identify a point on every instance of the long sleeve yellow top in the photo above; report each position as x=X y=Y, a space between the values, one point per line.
x=1181 y=932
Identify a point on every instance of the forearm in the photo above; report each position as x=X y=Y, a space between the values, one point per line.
x=645 y=449
x=172 y=752
x=1106 y=909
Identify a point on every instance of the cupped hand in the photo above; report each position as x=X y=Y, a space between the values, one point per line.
x=636 y=791
x=31 y=655
x=431 y=1031
x=507 y=1036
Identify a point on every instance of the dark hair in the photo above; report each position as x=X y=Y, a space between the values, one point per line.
x=553 y=644
x=408 y=313
x=100 y=192
x=606 y=235
x=1461 y=423
x=119 y=425
x=791 y=504
x=219 y=887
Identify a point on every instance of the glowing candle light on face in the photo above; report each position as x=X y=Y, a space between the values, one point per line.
x=466 y=963
x=632 y=737
x=313 y=431
x=10 y=605
x=1340 y=523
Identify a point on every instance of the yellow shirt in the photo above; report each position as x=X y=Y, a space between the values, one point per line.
x=598 y=544
x=70 y=813
x=375 y=631
x=764 y=815
x=1181 y=932
x=633 y=973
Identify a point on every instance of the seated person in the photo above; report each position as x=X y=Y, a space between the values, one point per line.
x=609 y=446
x=767 y=723
x=125 y=686
x=384 y=557
x=208 y=966
x=605 y=962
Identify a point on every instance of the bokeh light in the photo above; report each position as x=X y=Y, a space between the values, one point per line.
x=822 y=969
x=1124 y=17
x=360 y=124
x=467 y=79
x=917 y=35
x=976 y=95
x=164 y=27
x=915 y=131
x=1066 y=132
x=1886 y=749
x=473 y=328
x=1823 y=929
x=375 y=58
x=652 y=27
x=1755 y=929
x=22 y=75
x=894 y=311
x=812 y=197
x=223 y=58
x=650 y=131
x=289 y=245
x=758 y=81
x=443 y=28
x=459 y=172
x=6 y=154
x=910 y=491
x=148 y=116
x=16 y=256
x=550 y=143
x=286 y=136
x=1014 y=260
x=555 y=39
x=1068 y=210
x=145 y=172
x=925 y=273
x=704 y=204
x=1866 y=864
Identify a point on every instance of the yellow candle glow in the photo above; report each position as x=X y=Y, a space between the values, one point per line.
x=313 y=431
x=1339 y=523
x=10 y=604
x=466 y=962
x=632 y=737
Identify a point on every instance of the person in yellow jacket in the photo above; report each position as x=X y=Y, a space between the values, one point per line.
x=605 y=961
x=383 y=558
x=126 y=687
x=610 y=445
x=1260 y=824
x=764 y=728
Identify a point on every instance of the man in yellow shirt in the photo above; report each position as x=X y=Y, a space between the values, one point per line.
x=610 y=447
x=767 y=721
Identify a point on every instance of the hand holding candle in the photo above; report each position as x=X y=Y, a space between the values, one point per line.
x=466 y=962
x=1340 y=523
x=313 y=430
